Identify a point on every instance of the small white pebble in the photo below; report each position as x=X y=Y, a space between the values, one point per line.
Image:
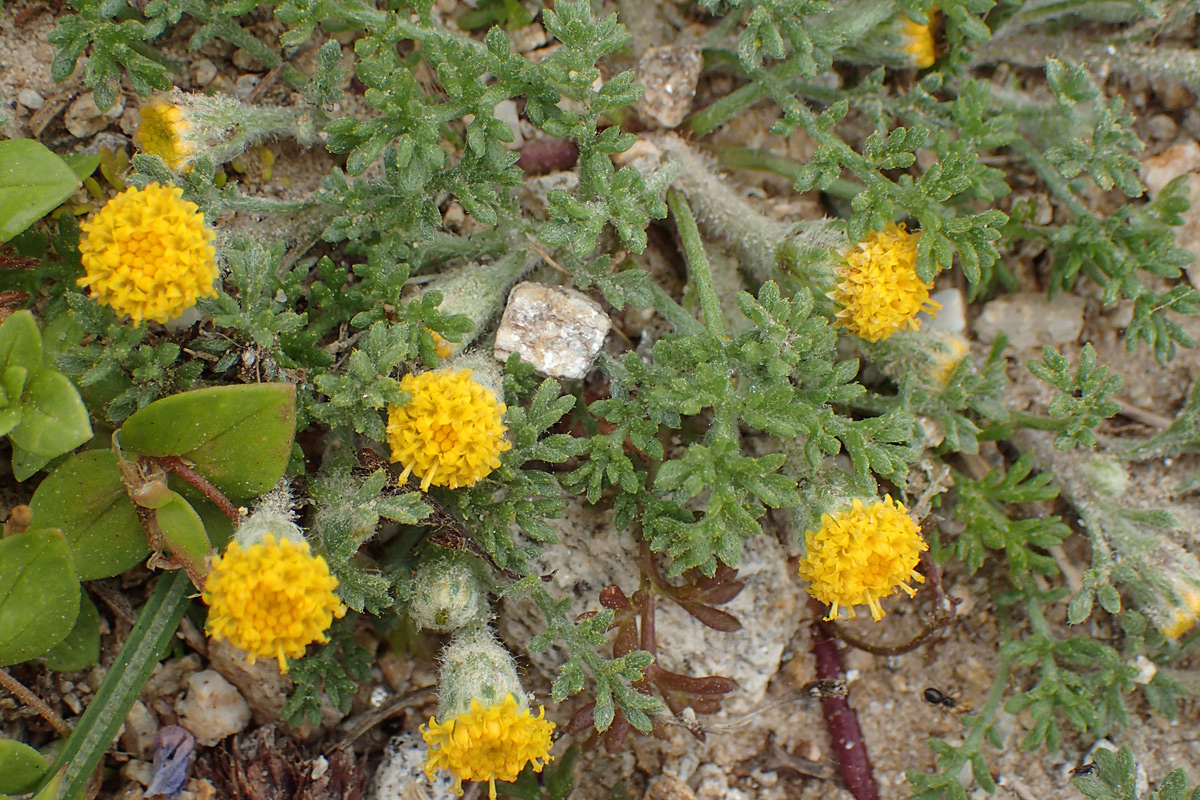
x=213 y=708
x=30 y=99
x=1147 y=669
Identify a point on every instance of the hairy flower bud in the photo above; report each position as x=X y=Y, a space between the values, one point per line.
x=447 y=592
x=477 y=292
x=182 y=126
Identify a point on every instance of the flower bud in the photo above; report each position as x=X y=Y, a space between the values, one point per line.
x=477 y=292
x=1167 y=587
x=898 y=42
x=447 y=593
x=273 y=516
x=181 y=127
x=929 y=354
x=1105 y=475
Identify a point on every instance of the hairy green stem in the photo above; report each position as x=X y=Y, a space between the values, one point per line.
x=991 y=706
x=237 y=36
x=678 y=317
x=765 y=161
x=699 y=270
x=708 y=119
x=1051 y=177
x=1018 y=420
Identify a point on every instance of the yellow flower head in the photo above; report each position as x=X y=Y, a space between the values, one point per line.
x=880 y=292
x=164 y=132
x=148 y=254
x=452 y=431
x=1180 y=619
x=863 y=554
x=488 y=744
x=948 y=355
x=272 y=599
x=440 y=346
x=918 y=42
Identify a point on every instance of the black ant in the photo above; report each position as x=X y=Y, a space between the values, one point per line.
x=935 y=697
x=1084 y=769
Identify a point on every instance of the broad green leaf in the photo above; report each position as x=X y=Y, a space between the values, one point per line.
x=21 y=767
x=81 y=649
x=86 y=499
x=26 y=464
x=53 y=788
x=20 y=345
x=9 y=417
x=217 y=526
x=239 y=437
x=183 y=531
x=82 y=164
x=54 y=420
x=33 y=182
x=39 y=594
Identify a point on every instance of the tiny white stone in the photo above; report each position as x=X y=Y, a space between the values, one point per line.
x=401 y=775
x=1147 y=669
x=84 y=119
x=213 y=708
x=952 y=316
x=203 y=73
x=319 y=767
x=30 y=99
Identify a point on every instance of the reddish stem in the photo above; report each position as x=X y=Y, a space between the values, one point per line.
x=854 y=765
x=176 y=464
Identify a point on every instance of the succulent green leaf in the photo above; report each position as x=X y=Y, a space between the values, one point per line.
x=39 y=594
x=20 y=349
x=239 y=437
x=20 y=767
x=81 y=649
x=183 y=531
x=26 y=464
x=86 y=499
x=54 y=420
x=33 y=182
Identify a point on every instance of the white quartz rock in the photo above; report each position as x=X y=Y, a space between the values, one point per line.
x=213 y=708
x=559 y=331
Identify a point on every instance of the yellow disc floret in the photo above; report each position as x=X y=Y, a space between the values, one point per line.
x=452 y=431
x=488 y=744
x=862 y=554
x=880 y=292
x=918 y=42
x=953 y=349
x=148 y=254
x=163 y=132
x=1180 y=619
x=272 y=599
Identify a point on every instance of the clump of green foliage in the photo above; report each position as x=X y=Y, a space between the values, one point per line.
x=748 y=398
